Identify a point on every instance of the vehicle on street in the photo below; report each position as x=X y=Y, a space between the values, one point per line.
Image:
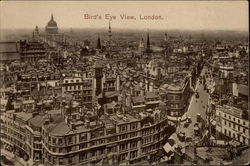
x=197 y=94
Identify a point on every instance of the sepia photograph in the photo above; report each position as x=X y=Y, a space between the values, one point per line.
x=116 y=83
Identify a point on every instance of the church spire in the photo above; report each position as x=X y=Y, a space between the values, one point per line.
x=110 y=37
x=166 y=36
x=99 y=42
x=148 y=41
x=109 y=27
x=52 y=18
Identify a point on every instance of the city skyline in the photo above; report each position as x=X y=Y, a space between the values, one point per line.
x=175 y=15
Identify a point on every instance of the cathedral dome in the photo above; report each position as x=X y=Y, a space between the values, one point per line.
x=51 y=27
x=52 y=23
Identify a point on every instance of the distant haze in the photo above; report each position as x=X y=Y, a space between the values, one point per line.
x=183 y=15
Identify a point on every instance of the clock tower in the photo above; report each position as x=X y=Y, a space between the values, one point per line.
x=98 y=69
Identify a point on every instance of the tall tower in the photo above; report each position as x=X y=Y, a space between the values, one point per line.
x=98 y=77
x=148 y=42
x=166 y=36
x=36 y=30
x=35 y=34
x=98 y=43
x=148 y=47
x=110 y=36
x=141 y=45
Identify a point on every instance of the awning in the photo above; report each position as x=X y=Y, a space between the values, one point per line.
x=170 y=145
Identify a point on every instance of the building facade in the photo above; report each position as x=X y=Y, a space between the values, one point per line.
x=177 y=98
x=32 y=51
x=232 y=123
x=14 y=131
x=128 y=141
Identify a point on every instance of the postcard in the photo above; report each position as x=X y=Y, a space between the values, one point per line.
x=124 y=83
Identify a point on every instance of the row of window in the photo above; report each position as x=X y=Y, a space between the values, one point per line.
x=16 y=142
x=173 y=97
x=60 y=141
x=15 y=126
x=99 y=142
x=37 y=146
x=175 y=113
x=55 y=140
x=174 y=105
x=62 y=150
x=147 y=140
x=123 y=157
x=235 y=136
x=148 y=131
x=148 y=149
x=67 y=81
x=108 y=85
x=79 y=87
x=67 y=149
x=124 y=128
x=15 y=134
x=235 y=126
x=126 y=146
x=97 y=133
x=233 y=118
x=126 y=136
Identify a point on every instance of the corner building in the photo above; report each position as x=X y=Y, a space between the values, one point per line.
x=119 y=138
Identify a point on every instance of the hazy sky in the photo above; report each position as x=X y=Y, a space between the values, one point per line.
x=212 y=15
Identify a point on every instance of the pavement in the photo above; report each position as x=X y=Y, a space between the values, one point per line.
x=210 y=82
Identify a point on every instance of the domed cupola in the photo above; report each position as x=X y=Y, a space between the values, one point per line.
x=51 y=27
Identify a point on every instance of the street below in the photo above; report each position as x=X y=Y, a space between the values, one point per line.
x=198 y=105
